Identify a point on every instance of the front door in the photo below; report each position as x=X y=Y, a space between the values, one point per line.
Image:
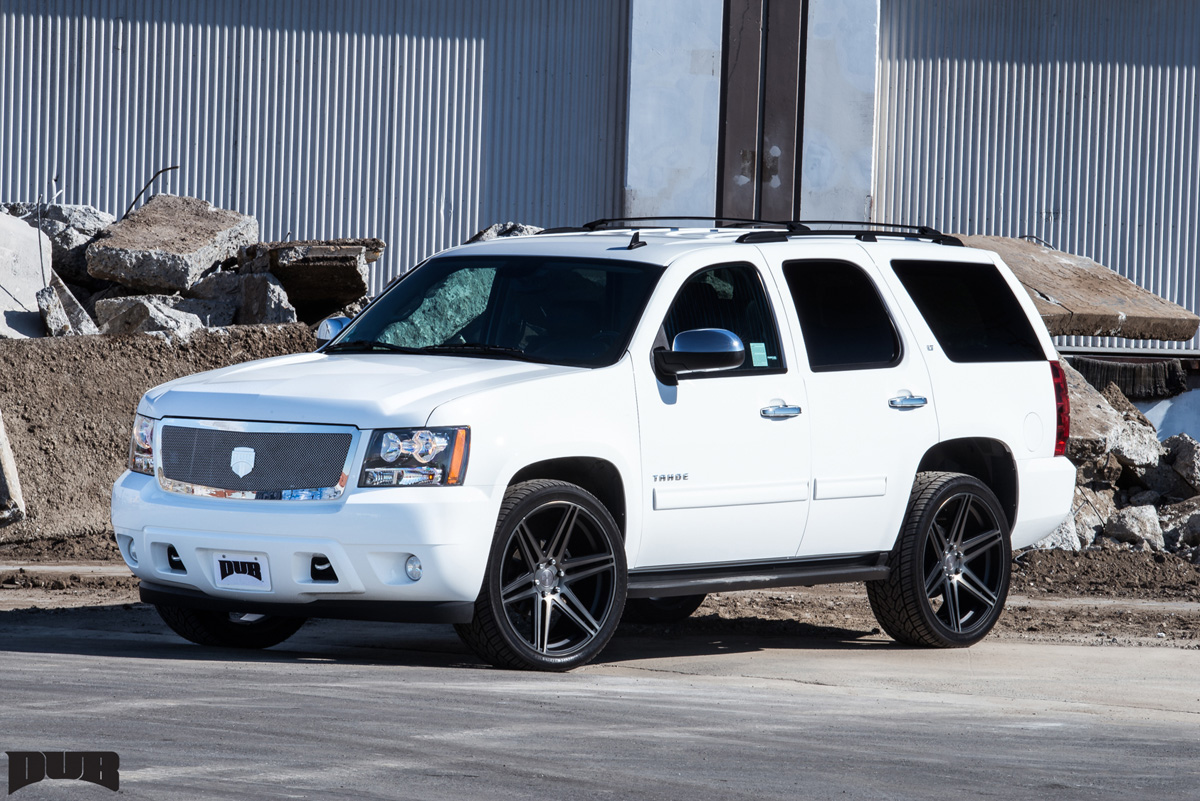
x=725 y=481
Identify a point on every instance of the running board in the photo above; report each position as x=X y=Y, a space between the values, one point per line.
x=659 y=582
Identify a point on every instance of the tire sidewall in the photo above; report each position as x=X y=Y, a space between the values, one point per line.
x=554 y=492
x=914 y=558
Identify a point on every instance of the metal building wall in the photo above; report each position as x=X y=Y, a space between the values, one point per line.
x=419 y=122
x=1072 y=120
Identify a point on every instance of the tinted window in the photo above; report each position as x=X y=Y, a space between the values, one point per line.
x=565 y=311
x=731 y=297
x=844 y=321
x=971 y=311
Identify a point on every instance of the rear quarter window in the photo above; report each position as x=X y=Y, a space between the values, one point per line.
x=971 y=311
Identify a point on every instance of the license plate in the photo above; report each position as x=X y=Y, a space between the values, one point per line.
x=241 y=571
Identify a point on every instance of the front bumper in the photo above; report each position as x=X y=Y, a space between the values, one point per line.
x=366 y=536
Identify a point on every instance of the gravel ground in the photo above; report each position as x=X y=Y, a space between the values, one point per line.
x=1099 y=597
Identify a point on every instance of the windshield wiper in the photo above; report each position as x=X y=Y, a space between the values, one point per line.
x=478 y=348
x=365 y=345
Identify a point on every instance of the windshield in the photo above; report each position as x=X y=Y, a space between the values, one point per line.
x=577 y=312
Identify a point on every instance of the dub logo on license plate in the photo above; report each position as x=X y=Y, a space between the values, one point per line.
x=241 y=571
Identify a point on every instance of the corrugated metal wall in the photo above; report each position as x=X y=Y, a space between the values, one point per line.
x=419 y=122
x=1072 y=120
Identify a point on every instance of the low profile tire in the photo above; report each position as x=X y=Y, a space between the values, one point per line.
x=950 y=568
x=555 y=582
x=662 y=610
x=229 y=629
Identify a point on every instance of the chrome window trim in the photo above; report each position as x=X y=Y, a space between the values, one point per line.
x=308 y=494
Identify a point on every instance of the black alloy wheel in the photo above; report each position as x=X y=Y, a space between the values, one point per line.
x=950 y=568
x=555 y=582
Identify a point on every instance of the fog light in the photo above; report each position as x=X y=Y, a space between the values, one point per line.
x=132 y=552
x=413 y=568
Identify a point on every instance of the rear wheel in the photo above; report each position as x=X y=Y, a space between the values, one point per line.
x=950 y=568
x=555 y=581
x=229 y=629
x=662 y=610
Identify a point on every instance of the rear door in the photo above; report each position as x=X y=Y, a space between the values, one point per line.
x=870 y=400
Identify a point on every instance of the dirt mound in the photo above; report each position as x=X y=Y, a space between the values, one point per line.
x=1109 y=572
x=92 y=546
x=68 y=405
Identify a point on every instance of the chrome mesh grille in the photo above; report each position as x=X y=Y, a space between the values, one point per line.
x=282 y=460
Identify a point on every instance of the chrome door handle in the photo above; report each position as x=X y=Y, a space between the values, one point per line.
x=908 y=402
x=776 y=412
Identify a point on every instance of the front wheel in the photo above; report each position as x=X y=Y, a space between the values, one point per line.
x=229 y=629
x=555 y=581
x=950 y=568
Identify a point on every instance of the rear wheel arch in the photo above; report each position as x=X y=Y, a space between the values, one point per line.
x=988 y=460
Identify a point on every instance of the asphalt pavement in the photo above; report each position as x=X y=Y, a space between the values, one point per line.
x=382 y=711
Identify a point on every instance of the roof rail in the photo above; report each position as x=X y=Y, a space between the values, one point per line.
x=738 y=222
x=773 y=230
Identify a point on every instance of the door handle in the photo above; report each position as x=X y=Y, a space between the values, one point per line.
x=777 y=412
x=908 y=402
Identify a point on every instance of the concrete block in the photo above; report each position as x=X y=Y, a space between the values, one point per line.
x=149 y=313
x=319 y=278
x=25 y=260
x=70 y=228
x=264 y=301
x=169 y=244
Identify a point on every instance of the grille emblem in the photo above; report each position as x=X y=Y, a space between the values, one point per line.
x=241 y=461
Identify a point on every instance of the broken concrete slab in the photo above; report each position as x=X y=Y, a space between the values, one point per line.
x=169 y=244
x=12 y=502
x=1137 y=525
x=319 y=279
x=70 y=228
x=225 y=286
x=497 y=230
x=1079 y=297
x=264 y=301
x=54 y=316
x=373 y=247
x=25 y=258
x=171 y=314
x=61 y=312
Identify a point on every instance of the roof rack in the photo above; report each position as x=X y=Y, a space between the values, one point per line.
x=774 y=230
x=610 y=223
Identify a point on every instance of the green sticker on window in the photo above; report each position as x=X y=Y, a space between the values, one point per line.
x=758 y=354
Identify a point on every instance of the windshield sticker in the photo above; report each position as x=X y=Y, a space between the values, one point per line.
x=758 y=354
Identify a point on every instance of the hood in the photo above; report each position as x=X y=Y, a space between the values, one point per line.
x=368 y=390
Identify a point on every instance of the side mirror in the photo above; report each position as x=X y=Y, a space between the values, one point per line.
x=330 y=327
x=701 y=350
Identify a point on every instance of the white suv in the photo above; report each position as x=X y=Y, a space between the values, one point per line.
x=531 y=437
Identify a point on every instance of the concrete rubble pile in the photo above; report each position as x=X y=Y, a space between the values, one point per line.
x=1131 y=490
x=172 y=267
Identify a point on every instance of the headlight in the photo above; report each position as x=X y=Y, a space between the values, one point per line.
x=411 y=457
x=141 y=447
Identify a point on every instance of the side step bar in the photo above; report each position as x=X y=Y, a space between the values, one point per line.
x=660 y=582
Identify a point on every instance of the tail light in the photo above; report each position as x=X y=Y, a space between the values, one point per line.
x=1062 y=409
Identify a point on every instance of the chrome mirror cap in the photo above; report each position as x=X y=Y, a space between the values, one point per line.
x=330 y=327
x=708 y=340
x=701 y=350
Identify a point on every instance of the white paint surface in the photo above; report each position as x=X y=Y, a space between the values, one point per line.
x=674 y=99
x=839 y=109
